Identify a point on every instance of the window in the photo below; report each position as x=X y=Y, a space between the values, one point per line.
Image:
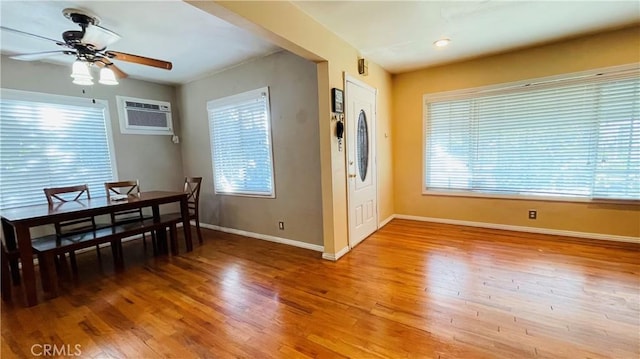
x=51 y=141
x=241 y=144
x=577 y=138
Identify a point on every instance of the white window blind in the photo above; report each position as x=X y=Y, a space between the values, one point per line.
x=241 y=144
x=562 y=138
x=50 y=141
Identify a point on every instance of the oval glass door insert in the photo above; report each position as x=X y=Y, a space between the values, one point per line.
x=363 y=145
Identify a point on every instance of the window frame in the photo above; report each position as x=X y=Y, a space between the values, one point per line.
x=42 y=97
x=232 y=100
x=508 y=87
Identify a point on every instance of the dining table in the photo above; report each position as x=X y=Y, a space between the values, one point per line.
x=18 y=222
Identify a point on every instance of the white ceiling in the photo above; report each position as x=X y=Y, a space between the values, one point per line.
x=194 y=41
x=398 y=35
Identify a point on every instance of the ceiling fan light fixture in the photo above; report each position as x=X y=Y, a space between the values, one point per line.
x=107 y=77
x=80 y=70
x=442 y=42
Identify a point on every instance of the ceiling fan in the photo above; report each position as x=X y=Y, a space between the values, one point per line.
x=88 y=45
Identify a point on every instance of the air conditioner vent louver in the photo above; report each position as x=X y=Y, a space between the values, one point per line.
x=142 y=105
x=149 y=117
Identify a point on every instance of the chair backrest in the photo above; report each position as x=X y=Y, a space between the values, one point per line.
x=57 y=196
x=192 y=188
x=122 y=187
x=129 y=188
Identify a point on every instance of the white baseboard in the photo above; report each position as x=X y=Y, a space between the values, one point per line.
x=335 y=257
x=313 y=247
x=345 y=250
x=387 y=220
x=506 y=227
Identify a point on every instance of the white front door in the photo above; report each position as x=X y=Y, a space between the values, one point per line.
x=360 y=111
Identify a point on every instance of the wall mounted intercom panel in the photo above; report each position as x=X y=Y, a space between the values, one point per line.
x=337 y=100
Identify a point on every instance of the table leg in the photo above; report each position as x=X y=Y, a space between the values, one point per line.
x=186 y=225
x=26 y=257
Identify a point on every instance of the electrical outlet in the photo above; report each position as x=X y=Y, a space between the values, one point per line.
x=281 y=226
x=533 y=214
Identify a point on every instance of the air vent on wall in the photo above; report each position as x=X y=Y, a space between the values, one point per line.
x=144 y=117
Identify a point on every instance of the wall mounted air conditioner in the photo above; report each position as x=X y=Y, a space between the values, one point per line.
x=144 y=117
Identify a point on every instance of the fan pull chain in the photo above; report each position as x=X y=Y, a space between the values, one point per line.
x=84 y=92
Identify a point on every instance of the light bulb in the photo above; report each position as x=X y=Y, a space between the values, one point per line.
x=442 y=42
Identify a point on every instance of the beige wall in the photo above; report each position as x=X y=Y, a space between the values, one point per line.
x=296 y=149
x=602 y=50
x=288 y=27
x=152 y=159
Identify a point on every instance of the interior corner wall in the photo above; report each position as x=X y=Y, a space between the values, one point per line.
x=296 y=150
x=596 y=51
x=152 y=159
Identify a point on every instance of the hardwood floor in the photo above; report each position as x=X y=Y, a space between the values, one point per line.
x=413 y=289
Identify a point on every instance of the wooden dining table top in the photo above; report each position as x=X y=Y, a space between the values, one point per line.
x=46 y=211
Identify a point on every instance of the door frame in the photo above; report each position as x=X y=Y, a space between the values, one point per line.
x=374 y=146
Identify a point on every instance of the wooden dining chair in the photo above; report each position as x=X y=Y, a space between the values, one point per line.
x=57 y=196
x=192 y=189
x=126 y=188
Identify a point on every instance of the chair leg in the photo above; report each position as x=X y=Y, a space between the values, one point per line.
x=5 y=273
x=74 y=264
x=116 y=249
x=10 y=242
x=98 y=252
x=162 y=246
x=45 y=272
x=60 y=262
x=154 y=243
x=198 y=229
x=15 y=271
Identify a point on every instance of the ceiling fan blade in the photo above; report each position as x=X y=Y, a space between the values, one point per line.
x=8 y=29
x=39 y=55
x=105 y=62
x=139 y=60
x=99 y=37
